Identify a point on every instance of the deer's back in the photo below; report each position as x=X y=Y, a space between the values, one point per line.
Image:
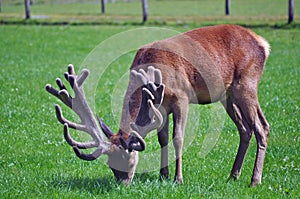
x=206 y=60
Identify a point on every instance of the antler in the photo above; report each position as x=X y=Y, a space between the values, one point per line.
x=134 y=142
x=80 y=106
x=149 y=116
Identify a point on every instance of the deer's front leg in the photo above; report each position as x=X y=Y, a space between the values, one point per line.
x=163 y=139
x=180 y=112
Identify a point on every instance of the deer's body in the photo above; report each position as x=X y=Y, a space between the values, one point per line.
x=219 y=63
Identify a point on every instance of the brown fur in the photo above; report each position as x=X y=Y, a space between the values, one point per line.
x=218 y=63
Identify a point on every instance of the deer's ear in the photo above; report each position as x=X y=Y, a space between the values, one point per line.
x=106 y=130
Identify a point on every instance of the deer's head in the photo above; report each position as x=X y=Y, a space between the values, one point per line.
x=121 y=148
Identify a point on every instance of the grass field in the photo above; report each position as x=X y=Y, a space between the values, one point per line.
x=36 y=162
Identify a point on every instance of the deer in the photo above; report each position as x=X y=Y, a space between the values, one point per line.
x=222 y=63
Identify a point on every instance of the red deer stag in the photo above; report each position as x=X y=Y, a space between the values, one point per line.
x=218 y=63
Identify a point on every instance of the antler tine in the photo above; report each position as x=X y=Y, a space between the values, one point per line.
x=158 y=118
x=73 y=143
x=89 y=157
x=141 y=146
x=134 y=142
x=157 y=77
x=156 y=122
x=63 y=94
x=140 y=76
x=63 y=120
x=83 y=75
x=60 y=84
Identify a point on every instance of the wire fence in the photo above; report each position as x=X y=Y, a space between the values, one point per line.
x=251 y=9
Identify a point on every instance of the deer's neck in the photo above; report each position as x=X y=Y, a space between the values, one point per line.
x=131 y=105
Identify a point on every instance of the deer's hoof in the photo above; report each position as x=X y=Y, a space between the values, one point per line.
x=254 y=183
x=178 y=180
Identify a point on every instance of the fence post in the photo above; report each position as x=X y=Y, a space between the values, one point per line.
x=27 y=9
x=291 y=11
x=227 y=7
x=103 y=6
x=145 y=10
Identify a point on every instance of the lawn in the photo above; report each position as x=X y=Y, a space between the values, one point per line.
x=36 y=162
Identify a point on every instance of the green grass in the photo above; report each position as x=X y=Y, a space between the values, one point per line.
x=36 y=162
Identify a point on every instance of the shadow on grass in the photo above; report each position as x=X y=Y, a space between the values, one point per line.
x=101 y=185
x=97 y=185
x=279 y=25
x=146 y=177
x=86 y=184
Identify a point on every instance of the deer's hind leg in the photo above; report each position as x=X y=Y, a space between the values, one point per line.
x=261 y=131
x=245 y=133
x=243 y=107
